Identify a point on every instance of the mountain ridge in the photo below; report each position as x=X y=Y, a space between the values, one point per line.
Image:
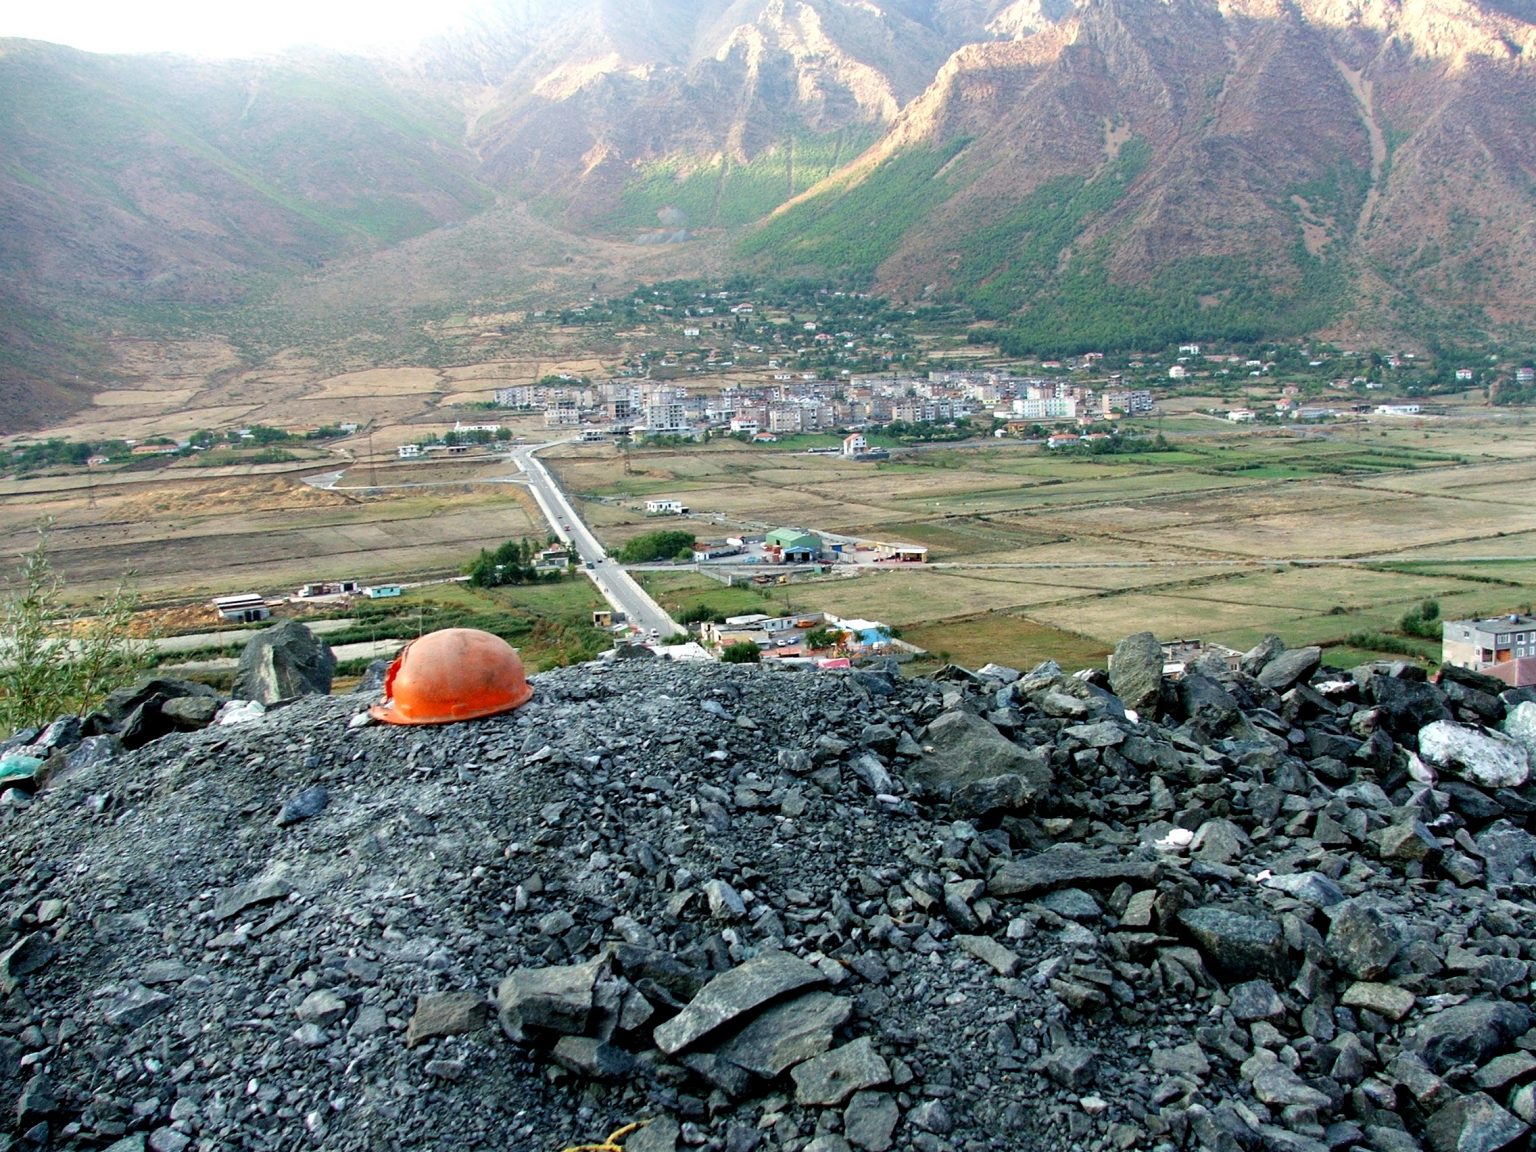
x=1099 y=170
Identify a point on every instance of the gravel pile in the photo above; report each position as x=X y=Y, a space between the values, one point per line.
x=1278 y=908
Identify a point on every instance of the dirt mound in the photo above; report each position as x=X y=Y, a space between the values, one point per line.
x=225 y=495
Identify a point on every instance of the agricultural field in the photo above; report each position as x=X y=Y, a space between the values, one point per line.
x=203 y=532
x=1324 y=536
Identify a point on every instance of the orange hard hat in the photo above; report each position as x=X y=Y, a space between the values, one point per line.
x=453 y=674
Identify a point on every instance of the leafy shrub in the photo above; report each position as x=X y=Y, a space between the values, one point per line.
x=662 y=545
x=1423 y=621
x=742 y=652
x=56 y=660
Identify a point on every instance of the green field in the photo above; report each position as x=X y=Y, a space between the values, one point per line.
x=1324 y=537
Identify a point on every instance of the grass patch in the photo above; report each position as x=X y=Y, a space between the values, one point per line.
x=1001 y=638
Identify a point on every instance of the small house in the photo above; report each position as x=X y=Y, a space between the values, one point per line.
x=382 y=591
x=794 y=546
x=242 y=607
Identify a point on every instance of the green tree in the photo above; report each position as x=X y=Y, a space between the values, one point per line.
x=56 y=660
x=662 y=545
x=819 y=638
x=741 y=652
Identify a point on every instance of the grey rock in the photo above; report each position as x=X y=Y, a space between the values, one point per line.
x=37 y=1100
x=164 y=972
x=1238 y=945
x=557 y=999
x=960 y=749
x=1009 y=792
x=831 y=1078
x=123 y=702
x=1209 y=711
x=29 y=954
x=1256 y=1000
x=657 y=1135
x=587 y=1056
x=724 y=901
x=932 y=1116
x=168 y=1140
x=233 y=901
x=875 y=776
x=1362 y=938
x=1104 y=734
x=189 y=713
x=282 y=662
x=1406 y=706
x=1221 y=841
x=135 y=1005
x=1256 y=658
x=1520 y=726
x=1473 y=1123
x=1508 y=852
x=1184 y=1060
x=787 y=1034
x=1286 y=668
x=1488 y=759
x=1136 y=672
x=370 y=1021
x=303 y=806
x=1504 y=1070
x=1470 y=1033
x=1313 y=887
x=1406 y=843
x=1063 y=865
x=1000 y=959
x=1072 y=903
x=321 y=1007
x=732 y=994
x=1383 y=999
x=446 y=1014
x=1073 y=1066
x=1276 y=1084
x=869 y=1120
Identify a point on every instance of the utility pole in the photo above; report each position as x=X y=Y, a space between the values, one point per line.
x=373 y=478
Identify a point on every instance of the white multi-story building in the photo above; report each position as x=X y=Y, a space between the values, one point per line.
x=1048 y=408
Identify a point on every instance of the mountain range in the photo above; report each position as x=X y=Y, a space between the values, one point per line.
x=1075 y=173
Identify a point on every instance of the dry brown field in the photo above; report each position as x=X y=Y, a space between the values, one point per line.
x=1236 y=533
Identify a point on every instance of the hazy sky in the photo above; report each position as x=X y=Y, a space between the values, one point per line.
x=225 y=27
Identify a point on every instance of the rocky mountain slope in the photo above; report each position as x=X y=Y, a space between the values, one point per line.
x=1090 y=173
x=1282 y=908
x=1167 y=169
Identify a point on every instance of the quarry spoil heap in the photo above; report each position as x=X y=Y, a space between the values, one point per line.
x=1274 y=907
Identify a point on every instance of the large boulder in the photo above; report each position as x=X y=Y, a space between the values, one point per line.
x=1520 y=726
x=961 y=749
x=1288 y=668
x=1488 y=759
x=282 y=662
x=1470 y=1033
x=1136 y=672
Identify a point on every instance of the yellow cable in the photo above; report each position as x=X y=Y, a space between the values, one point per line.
x=611 y=1144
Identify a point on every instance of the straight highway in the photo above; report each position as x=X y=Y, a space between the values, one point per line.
x=616 y=585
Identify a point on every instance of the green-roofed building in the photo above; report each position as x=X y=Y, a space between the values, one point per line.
x=795 y=546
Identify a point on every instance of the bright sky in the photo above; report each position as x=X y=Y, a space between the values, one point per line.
x=227 y=27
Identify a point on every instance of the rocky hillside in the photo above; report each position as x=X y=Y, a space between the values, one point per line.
x=1276 y=908
x=1086 y=174
x=1152 y=171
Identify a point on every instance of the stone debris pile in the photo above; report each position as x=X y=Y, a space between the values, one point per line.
x=1280 y=908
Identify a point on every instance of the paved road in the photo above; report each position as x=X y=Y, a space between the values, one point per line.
x=616 y=585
